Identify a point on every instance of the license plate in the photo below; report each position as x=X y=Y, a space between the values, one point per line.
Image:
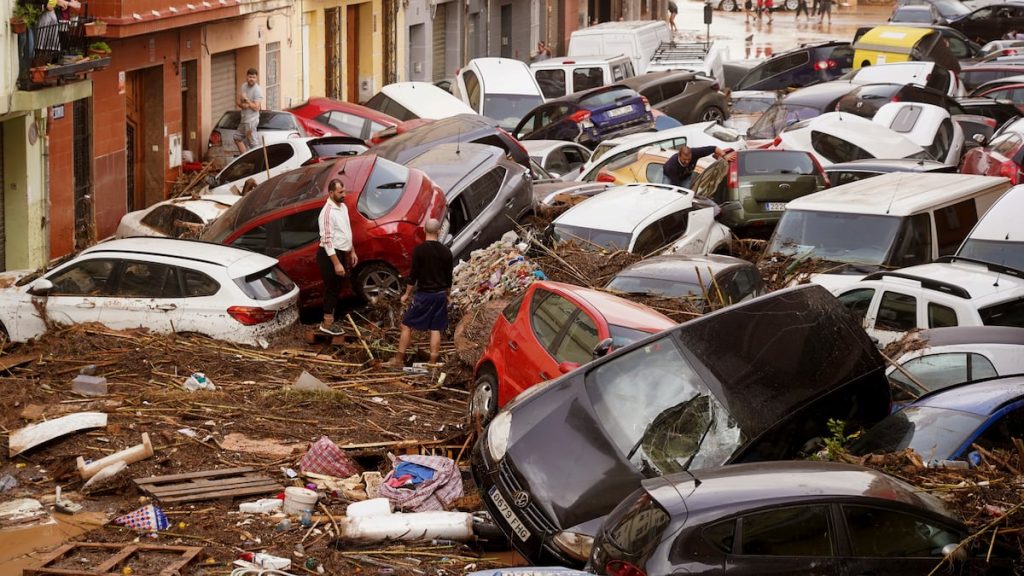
x=620 y=111
x=775 y=206
x=506 y=512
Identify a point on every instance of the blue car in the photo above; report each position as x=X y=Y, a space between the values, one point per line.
x=803 y=66
x=942 y=425
x=588 y=117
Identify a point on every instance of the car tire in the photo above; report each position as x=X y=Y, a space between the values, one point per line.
x=792 y=4
x=483 y=401
x=728 y=5
x=376 y=280
x=712 y=114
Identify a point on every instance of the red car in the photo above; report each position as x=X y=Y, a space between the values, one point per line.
x=1002 y=156
x=329 y=117
x=552 y=329
x=387 y=204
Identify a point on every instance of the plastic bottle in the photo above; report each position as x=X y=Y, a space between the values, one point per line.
x=306 y=519
x=283 y=525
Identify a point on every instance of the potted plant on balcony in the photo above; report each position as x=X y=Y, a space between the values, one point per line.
x=24 y=17
x=95 y=28
x=99 y=49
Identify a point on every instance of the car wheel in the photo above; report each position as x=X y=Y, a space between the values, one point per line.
x=728 y=5
x=792 y=4
x=712 y=114
x=376 y=280
x=483 y=402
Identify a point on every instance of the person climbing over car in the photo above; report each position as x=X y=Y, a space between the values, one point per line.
x=678 y=169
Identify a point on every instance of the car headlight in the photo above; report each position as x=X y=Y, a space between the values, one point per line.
x=497 y=435
x=574 y=544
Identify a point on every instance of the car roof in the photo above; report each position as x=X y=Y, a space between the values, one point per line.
x=616 y=311
x=621 y=25
x=449 y=164
x=959 y=335
x=860 y=131
x=426 y=100
x=819 y=95
x=577 y=97
x=238 y=262
x=624 y=208
x=906 y=72
x=1002 y=220
x=887 y=165
x=680 y=268
x=896 y=193
x=464 y=127
x=982 y=397
x=749 y=484
x=576 y=61
x=655 y=78
x=504 y=76
x=984 y=285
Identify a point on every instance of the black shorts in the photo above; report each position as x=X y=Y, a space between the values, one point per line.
x=429 y=311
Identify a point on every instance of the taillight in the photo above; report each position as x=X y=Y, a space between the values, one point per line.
x=990 y=122
x=894 y=99
x=734 y=173
x=647 y=103
x=817 y=166
x=313 y=160
x=214 y=139
x=1009 y=170
x=603 y=176
x=623 y=568
x=251 y=315
x=580 y=116
x=776 y=142
x=825 y=64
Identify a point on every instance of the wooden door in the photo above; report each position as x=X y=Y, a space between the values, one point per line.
x=134 y=141
x=352 y=61
x=333 y=53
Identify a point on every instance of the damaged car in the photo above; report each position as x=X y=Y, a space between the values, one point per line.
x=752 y=382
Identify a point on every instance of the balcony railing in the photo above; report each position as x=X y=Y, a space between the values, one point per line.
x=57 y=52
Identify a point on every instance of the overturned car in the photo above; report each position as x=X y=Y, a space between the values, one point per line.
x=756 y=381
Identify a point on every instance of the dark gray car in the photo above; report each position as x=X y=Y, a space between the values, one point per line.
x=685 y=96
x=716 y=277
x=487 y=193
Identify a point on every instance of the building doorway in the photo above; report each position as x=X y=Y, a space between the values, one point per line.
x=85 y=231
x=506 y=31
x=144 y=136
x=352 y=61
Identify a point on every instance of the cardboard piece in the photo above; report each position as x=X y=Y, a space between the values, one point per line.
x=35 y=434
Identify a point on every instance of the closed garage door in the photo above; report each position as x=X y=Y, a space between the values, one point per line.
x=440 y=25
x=222 y=80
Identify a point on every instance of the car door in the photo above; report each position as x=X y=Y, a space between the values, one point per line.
x=975 y=25
x=785 y=540
x=861 y=304
x=575 y=157
x=145 y=295
x=293 y=239
x=897 y=314
x=533 y=339
x=487 y=216
x=886 y=541
x=79 y=289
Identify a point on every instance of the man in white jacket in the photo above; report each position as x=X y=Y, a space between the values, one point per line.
x=336 y=256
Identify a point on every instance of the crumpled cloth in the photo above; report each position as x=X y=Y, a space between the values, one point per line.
x=435 y=493
x=324 y=457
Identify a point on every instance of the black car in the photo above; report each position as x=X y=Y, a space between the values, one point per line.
x=803 y=66
x=867 y=99
x=685 y=96
x=755 y=381
x=588 y=117
x=813 y=518
x=846 y=172
x=458 y=128
x=804 y=104
x=946 y=10
x=991 y=22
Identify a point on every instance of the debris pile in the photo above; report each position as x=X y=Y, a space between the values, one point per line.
x=501 y=270
x=573 y=263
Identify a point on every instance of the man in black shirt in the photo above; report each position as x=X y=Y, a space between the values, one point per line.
x=429 y=285
x=678 y=169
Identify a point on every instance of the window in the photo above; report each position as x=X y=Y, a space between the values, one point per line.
x=655 y=173
x=940 y=316
x=618 y=73
x=653 y=94
x=913 y=245
x=483 y=191
x=721 y=535
x=579 y=341
x=606 y=97
x=282 y=235
x=906 y=118
x=244 y=166
x=953 y=223
x=1005 y=144
x=457 y=215
x=649 y=240
x=273 y=86
x=637 y=529
x=549 y=314
x=875 y=532
x=511 y=311
x=1000 y=434
x=266 y=284
x=348 y=123
x=774 y=67
x=1005 y=314
x=858 y=302
x=472 y=89
x=673 y=226
x=556 y=162
x=169 y=218
x=939 y=80
x=897 y=312
x=937 y=371
x=958 y=47
x=587 y=78
x=198 y=284
x=383 y=189
x=552 y=82
x=801 y=531
x=86 y=278
x=550 y=115
x=148 y=280
x=836 y=149
x=939 y=147
x=574 y=158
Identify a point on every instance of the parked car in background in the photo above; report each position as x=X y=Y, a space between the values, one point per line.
x=551 y=329
x=274 y=126
x=715 y=278
x=165 y=285
x=847 y=172
x=1002 y=156
x=1014 y=92
x=942 y=357
x=946 y=424
x=947 y=10
x=910 y=44
x=182 y=217
x=991 y=22
x=839 y=137
x=803 y=104
x=948 y=292
x=998 y=236
x=472 y=128
x=979 y=74
x=636 y=39
x=588 y=117
x=753 y=187
x=867 y=99
x=685 y=96
x=387 y=204
x=411 y=100
x=803 y=66
x=559 y=77
x=644 y=219
x=926 y=125
x=746 y=106
x=341 y=118
x=999 y=82
x=915 y=15
x=487 y=194
x=1001 y=111
x=563 y=160
x=886 y=222
x=796 y=517
x=752 y=382
x=502 y=89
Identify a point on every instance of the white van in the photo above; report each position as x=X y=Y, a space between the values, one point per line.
x=999 y=236
x=412 y=100
x=502 y=89
x=637 y=39
x=559 y=77
x=890 y=221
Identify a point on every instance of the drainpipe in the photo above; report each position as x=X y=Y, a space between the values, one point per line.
x=488 y=51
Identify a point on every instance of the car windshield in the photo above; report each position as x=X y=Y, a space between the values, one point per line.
x=951 y=9
x=751 y=105
x=509 y=109
x=934 y=433
x=1002 y=252
x=760 y=163
x=836 y=236
x=656 y=286
x=920 y=15
x=383 y=189
x=593 y=237
x=670 y=423
x=779 y=116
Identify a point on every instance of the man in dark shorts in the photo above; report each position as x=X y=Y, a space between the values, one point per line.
x=431 y=278
x=678 y=170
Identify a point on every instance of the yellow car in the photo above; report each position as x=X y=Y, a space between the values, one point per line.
x=888 y=44
x=645 y=165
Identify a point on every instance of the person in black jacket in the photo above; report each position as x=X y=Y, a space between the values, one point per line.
x=678 y=169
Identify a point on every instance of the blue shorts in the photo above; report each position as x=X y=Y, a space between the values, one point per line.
x=429 y=311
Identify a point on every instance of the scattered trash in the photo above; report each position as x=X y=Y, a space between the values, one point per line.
x=374 y=507
x=298 y=500
x=415 y=526
x=35 y=434
x=266 y=561
x=64 y=505
x=208 y=485
x=325 y=457
x=263 y=505
x=8 y=482
x=283 y=525
x=149 y=518
x=307 y=381
x=188 y=432
x=497 y=271
x=422 y=483
x=88 y=385
x=104 y=478
x=238 y=442
x=128 y=456
x=198 y=381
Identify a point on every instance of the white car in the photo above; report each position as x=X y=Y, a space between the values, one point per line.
x=645 y=219
x=503 y=89
x=916 y=72
x=281 y=157
x=952 y=292
x=162 y=284
x=927 y=125
x=836 y=137
x=559 y=158
x=412 y=100
x=693 y=135
x=183 y=217
x=999 y=237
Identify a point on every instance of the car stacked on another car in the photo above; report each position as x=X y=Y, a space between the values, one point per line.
x=685 y=96
x=710 y=281
x=803 y=66
x=274 y=126
x=588 y=117
x=327 y=116
x=1002 y=156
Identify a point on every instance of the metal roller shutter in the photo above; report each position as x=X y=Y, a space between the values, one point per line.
x=222 y=81
x=440 y=25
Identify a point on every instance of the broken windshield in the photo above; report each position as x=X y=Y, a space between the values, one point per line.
x=659 y=413
x=836 y=236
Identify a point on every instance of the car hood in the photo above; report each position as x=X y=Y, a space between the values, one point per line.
x=764 y=360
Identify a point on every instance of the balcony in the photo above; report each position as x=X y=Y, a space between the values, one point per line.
x=56 y=52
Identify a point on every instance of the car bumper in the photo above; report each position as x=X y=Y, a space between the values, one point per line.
x=258 y=334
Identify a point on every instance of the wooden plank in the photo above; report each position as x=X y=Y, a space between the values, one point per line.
x=120 y=556
x=225 y=493
x=122 y=552
x=215 y=488
x=35 y=434
x=8 y=362
x=201 y=482
x=189 y=475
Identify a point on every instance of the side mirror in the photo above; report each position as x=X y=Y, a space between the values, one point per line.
x=566 y=367
x=979 y=138
x=42 y=287
x=954 y=552
x=603 y=347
